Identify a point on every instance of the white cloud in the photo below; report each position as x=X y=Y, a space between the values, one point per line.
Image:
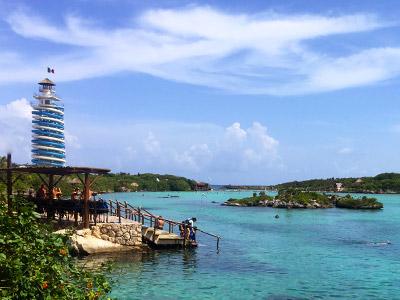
x=345 y=150
x=16 y=110
x=396 y=128
x=151 y=144
x=71 y=140
x=265 y=53
x=197 y=150
x=15 y=129
x=234 y=133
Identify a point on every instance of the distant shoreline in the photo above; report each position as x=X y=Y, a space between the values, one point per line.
x=258 y=188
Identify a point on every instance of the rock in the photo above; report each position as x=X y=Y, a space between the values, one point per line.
x=104 y=237
x=126 y=236
x=103 y=230
x=231 y=204
x=91 y=245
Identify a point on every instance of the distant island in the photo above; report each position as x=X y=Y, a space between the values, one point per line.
x=299 y=199
x=385 y=183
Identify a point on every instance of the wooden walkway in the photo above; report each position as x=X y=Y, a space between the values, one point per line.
x=168 y=237
x=161 y=238
x=173 y=234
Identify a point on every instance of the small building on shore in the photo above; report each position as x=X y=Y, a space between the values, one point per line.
x=339 y=187
x=202 y=186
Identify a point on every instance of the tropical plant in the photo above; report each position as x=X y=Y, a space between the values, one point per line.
x=36 y=264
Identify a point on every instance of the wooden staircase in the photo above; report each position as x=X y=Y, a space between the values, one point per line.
x=161 y=238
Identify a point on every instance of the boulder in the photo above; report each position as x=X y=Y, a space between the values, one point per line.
x=84 y=243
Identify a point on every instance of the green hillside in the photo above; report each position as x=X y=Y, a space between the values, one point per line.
x=382 y=183
x=120 y=182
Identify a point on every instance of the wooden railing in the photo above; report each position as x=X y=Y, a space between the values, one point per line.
x=126 y=211
x=99 y=213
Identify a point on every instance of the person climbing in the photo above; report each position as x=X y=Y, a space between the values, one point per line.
x=159 y=223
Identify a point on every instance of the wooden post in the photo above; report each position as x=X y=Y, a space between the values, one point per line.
x=86 y=202
x=154 y=227
x=119 y=212
x=50 y=201
x=95 y=211
x=9 y=184
x=126 y=210
x=217 y=243
x=184 y=236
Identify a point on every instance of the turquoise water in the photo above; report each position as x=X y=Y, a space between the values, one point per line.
x=305 y=254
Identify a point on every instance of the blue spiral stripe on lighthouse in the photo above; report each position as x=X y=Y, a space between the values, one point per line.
x=48 y=142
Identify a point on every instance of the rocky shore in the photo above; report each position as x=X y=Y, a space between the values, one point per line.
x=105 y=238
x=280 y=204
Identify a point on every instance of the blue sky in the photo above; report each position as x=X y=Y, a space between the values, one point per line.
x=251 y=92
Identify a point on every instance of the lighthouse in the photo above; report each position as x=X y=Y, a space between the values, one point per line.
x=48 y=145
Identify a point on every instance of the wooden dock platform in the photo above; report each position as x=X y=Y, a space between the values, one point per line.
x=161 y=238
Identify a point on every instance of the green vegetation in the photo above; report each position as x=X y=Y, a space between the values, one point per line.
x=303 y=198
x=251 y=201
x=382 y=183
x=363 y=203
x=120 y=182
x=35 y=263
x=293 y=198
x=143 y=182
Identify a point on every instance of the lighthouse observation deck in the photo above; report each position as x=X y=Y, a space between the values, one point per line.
x=48 y=144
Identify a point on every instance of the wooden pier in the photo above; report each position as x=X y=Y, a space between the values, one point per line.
x=89 y=212
x=168 y=237
x=161 y=238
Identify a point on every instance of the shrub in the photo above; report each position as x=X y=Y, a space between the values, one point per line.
x=363 y=203
x=35 y=263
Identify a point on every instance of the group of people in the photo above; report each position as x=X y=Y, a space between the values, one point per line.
x=43 y=193
x=186 y=228
x=78 y=195
x=56 y=193
x=45 y=198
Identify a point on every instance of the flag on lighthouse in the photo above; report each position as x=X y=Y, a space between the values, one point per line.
x=50 y=70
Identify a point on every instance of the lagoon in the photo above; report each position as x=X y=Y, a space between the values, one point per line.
x=305 y=254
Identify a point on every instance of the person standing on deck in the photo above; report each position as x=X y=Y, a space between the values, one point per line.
x=76 y=207
x=56 y=193
x=42 y=192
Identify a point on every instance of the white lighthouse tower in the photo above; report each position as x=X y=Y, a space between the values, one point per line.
x=48 y=145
